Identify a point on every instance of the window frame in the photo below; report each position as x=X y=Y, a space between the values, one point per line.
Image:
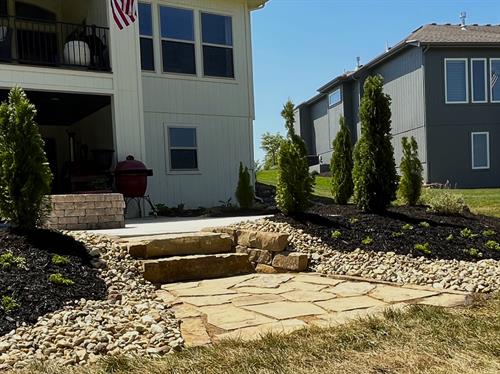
x=489 y=76
x=203 y=44
x=487 y=167
x=466 y=80
x=151 y=37
x=485 y=60
x=193 y=42
x=196 y=148
x=330 y=105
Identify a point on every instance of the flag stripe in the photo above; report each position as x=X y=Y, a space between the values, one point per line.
x=124 y=12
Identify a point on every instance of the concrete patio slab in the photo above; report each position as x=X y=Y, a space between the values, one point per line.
x=167 y=225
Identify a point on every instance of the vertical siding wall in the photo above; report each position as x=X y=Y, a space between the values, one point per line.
x=221 y=110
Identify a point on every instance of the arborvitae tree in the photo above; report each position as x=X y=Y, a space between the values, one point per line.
x=295 y=184
x=271 y=144
x=410 y=185
x=25 y=176
x=244 y=191
x=341 y=165
x=374 y=173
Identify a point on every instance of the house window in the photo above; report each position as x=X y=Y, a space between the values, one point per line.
x=217 y=38
x=456 y=77
x=479 y=78
x=183 y=148
x=494 y=80
x=335 y=97
x=480 y=150
x=177 y=40
x=146 y=37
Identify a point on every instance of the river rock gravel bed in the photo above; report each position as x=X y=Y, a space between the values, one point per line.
x=479 y=276
x=130 y=321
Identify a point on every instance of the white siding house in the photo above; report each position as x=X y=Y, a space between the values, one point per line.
x=183 y=103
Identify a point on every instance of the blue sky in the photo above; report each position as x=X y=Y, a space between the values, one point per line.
x=301 y=44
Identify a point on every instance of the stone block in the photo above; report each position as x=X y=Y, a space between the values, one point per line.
x=267 y=269
x=255 y=255
x=88 y=219
x=68 y=220
x=269 y=241
x=74 y=212
x=291 y=261
x=223 y=230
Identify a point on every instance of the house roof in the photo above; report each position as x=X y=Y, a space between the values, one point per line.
x=431 y=34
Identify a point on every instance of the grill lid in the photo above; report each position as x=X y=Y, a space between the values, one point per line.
x=132 y=166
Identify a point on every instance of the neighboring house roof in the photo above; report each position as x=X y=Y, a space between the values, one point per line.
x=256 y=4
x=431 y=34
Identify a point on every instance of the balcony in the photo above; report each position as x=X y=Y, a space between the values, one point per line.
x=54 y=44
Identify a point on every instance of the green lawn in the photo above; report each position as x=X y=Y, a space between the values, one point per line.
x=480 y=201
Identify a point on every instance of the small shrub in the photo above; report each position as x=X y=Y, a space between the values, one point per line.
x=407 y=227
x=488 y=233
x=450 y=237
x=8 y=260
x=353 y=220
x=336 y=234
x=423 y=248
x=9 y=304
x=367 y=241
x=244 y=191
x=446 y=203
x=424 y=224
x=60 y=280
x=467 y=233
x=410 y=185
x=473 y=252
x=341 y=165
x=60 y=260
x=492 y=245
x=397 y=234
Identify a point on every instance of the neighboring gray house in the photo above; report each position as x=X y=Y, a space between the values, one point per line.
x=445 y=89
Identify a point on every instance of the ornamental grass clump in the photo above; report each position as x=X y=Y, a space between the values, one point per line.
x=446 y=203
x=244 y=191
x=25 y=175
x=341 y=165
x=61 y=280
x=295 y=184
x=9 y=304
x=410 y=184
x=374 y=173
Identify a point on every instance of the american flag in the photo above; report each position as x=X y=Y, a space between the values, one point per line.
x=124 y=12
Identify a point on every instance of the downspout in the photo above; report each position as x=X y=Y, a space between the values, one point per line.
x=424 y=51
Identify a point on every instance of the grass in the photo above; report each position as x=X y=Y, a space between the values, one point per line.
x=481 y=201
x=421 y=340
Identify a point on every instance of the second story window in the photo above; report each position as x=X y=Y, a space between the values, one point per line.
x=495 y=80
x=335 y=97
x=456 y=85
x=177 y=40
x=146 y=37
x=478 y=79
x=217 y=40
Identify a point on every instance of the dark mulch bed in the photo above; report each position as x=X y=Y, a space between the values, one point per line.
x=30 y=287
x=322 y=220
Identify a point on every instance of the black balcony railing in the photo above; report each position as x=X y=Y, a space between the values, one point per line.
x=57 y=44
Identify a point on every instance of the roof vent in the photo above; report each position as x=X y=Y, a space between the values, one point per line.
x=358 y=62
x=463 y=16
x=387 y=47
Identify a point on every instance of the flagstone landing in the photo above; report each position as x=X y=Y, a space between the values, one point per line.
x=246 y=307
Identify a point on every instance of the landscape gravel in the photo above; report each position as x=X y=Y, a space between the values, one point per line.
x=131 y=321
x=482 y=276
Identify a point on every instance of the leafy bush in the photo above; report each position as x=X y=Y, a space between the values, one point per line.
x=60 y=260
x=25 y=176
x=407 y=227
x=424 y=224
x=492 y=245
x=336 y=234
x=423 y=248
x=244 y=191
x=488 y=233
x=446 y=203
x=367 y=241
x=467 y=233
x=450 y=237
x=60 y=280
x=341 y=165
x=9 y=304
x=8 y=260
x=295 y=184
x=374 y=173
x=410 y=185
x=473 y=252
x=353 y=220
x=397 y=234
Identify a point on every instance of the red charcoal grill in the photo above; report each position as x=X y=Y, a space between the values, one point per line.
x=131 y=177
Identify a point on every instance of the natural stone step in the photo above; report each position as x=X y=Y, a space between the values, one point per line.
x=197 y=267
x=179 y=245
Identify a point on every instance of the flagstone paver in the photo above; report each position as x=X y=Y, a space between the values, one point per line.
x=391 y=294
x=245 y=307
x=347 y=289
x=287 y=309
